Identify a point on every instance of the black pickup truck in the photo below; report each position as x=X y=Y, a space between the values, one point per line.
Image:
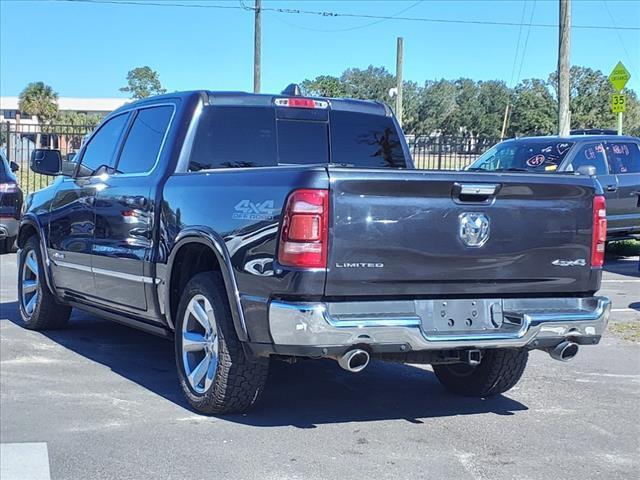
x=252 y=227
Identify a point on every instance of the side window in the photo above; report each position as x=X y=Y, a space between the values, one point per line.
x=590 y=154
x=624 y=157
x=229 y=137
x=143 y=143
x=101 y=149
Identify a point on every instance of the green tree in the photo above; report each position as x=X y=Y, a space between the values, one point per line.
x=78 y=119
x=533 y=109
x=324 y=86
x=411 y=100
x=591 y=101
x=493 y=96
x=437 y=105
x=40 y=100
x=143 y=82
x=373 y=83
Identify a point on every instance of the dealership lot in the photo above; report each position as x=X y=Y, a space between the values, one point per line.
x=100 y=400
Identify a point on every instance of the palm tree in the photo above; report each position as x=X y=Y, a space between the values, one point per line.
x=40 y=100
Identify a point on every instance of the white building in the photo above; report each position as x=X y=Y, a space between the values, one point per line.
x=9 y=111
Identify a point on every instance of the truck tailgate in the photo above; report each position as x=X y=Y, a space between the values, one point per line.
x=418 y=233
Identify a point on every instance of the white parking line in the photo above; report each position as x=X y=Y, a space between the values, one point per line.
x=624 y=310
x=621 y=281
x=24 y=461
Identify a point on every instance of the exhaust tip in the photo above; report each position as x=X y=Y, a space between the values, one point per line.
x=564 y=351
x=354 y=361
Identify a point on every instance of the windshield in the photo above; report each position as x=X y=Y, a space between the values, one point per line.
x=525 y=156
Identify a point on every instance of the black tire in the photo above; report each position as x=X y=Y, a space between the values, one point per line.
x=499 y=370
x=238 y=380
x=47 y=313
x=6 y=245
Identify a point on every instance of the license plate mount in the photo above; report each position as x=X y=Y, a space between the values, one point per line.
x=460 y=316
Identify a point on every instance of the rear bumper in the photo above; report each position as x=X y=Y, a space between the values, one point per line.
x=403 y=326
x=8 y=227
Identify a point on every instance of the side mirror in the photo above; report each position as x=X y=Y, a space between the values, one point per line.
x=46 y=162
x=14 y=166
x=588 y=170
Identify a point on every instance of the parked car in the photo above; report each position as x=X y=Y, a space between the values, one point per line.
x=10 y=203
x=252 y=227
x=616 y=160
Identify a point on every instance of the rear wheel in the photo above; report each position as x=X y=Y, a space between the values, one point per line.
x=499 y=370
x=214 y=371
x=38 y=307
x=6 y=245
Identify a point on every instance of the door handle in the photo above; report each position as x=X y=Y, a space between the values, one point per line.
x=137 y=201
x=611 y=188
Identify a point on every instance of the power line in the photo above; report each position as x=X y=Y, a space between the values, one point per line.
x=357 y=27
x=342 y=14
x=613 y=22
x=515 y=57
x=526 y=42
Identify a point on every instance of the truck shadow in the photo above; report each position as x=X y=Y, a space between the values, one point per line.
x=627 y=266
x=304 y=394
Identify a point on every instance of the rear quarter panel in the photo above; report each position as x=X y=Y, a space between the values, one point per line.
x=243 y=207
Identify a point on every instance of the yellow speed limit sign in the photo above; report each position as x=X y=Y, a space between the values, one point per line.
x=618 y=103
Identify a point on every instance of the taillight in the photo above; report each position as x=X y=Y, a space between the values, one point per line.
x=303 y=238
x=599 y=231
x=8 y=187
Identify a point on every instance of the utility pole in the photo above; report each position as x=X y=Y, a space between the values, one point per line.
x=399 y=55
x=257 y=41
x=503 y=132
x=564 y=46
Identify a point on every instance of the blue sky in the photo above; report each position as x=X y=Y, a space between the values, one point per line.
x=84 y=49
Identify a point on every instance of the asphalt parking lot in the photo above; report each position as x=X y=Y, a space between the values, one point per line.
x=100 y=401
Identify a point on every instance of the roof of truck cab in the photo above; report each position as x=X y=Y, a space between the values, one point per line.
x=245 y=99
x=573 y=138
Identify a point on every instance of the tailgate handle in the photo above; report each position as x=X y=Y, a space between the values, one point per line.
x=475 y=192
x=477 y=189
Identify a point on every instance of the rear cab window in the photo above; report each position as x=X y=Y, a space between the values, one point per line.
x=144 y=140
x=623 y=157
x=259 y=136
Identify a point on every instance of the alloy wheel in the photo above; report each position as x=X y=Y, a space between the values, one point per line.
x=30 y=281
x=199 y=343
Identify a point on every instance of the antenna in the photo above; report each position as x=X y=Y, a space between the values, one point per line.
x=292 y=90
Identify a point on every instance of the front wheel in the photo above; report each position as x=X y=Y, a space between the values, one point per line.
x=499 y=370
x=215 y=374
x=38 y=307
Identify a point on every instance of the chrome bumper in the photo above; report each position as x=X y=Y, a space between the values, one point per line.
x=413 y=325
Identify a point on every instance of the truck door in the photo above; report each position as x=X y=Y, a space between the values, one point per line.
x=594 y=154
x=624 y=162
x=71 y=217
x=124 y=213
